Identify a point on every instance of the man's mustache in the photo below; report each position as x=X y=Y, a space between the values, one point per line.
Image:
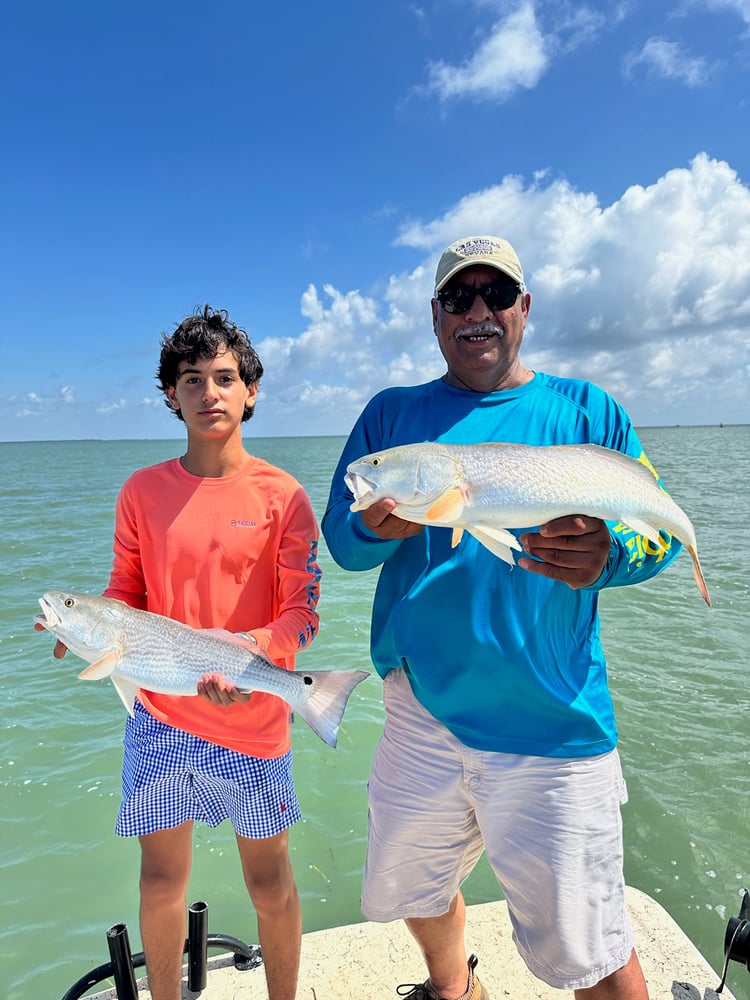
x=479 y=330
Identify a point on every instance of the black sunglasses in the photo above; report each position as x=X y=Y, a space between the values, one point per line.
x=496 y=296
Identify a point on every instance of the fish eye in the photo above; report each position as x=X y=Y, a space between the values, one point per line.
x=376 y=461
x=69 y=602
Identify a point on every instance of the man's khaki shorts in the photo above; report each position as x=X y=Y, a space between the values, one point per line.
x=551 y=828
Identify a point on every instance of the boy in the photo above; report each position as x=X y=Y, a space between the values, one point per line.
x=217 y=539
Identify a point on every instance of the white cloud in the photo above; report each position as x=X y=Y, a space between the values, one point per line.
x=511 y=57
x=740 y=7
x=351 y=344
x=648 y=296
x=36 y=404
x=516 y=51
x=668 y=60
x=579 y=25
x=112 y=407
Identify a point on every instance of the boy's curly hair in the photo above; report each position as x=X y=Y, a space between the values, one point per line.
x=204 y=335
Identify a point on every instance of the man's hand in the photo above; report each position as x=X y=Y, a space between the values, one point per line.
x=381 y=522
x=573 y=550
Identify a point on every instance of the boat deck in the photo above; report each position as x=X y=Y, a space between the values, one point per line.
x=369 y=961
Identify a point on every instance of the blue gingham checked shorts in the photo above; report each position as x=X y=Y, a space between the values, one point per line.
x=170 y=776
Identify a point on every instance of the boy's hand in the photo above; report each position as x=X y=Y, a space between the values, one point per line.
x=60 y=648
x=215 y=689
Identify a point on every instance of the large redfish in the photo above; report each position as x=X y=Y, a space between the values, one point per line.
x=486 y=489
x=139 y=649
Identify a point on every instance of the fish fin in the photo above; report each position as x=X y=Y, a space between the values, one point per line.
x=698 y=574
x=127 y=692
x=636 y=466
x=448 y=507
x=498 y=540
x=102 y=667
x=456 y=535
x=648 y=530
x=324 y=708
x=654 y=536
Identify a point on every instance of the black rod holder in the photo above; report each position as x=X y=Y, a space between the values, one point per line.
x=197 y=946
x=737 y=937
x=122 y=965
x=246 y=956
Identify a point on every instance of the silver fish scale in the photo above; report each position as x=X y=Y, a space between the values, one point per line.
x=514 y=480
x=158 y=653
x=179 y=665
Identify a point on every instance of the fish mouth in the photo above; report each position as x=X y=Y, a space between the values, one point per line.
x=49 y=617
x=362 y=488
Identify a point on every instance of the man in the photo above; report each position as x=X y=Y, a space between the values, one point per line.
x=500 y=733
x=217 y=539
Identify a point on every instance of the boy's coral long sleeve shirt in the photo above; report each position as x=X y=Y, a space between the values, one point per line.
x=237 y=552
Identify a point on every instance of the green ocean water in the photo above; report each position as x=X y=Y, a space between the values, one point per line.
x=679 y=673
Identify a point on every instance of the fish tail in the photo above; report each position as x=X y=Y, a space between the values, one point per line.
x=324 y=708
x=698 y=574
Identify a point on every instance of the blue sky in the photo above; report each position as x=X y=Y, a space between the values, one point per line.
x=303 y=165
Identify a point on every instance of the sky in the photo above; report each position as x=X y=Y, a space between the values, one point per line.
x=303 y=165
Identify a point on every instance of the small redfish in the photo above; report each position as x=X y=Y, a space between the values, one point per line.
x=140 y=649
